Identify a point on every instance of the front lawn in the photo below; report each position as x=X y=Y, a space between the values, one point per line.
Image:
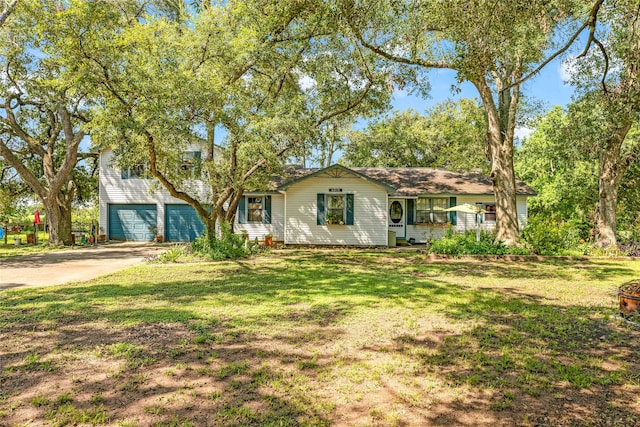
x=10 y=249
x=325 y=337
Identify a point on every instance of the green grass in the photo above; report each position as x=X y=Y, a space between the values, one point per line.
x=10 y=249
x=329 y=336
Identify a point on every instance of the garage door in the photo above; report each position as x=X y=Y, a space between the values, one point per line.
x=183 y=223
x=133 y=222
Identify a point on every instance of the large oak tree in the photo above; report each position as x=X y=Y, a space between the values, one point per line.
x=607 y=74
x=163 y=84
x=450 y=135
x=41 y=114
x=495 y=45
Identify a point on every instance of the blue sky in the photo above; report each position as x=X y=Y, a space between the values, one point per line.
x=548 y=87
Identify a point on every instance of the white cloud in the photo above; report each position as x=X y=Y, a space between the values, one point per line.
x=566 y=69
x=523 y=132
x=306 y=83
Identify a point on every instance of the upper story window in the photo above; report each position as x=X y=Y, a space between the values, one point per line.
x=138 y=170
x=191 y=162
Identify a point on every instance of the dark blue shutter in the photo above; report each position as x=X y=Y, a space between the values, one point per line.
x=266 y=212
x=349 y=209
x=197 y=163
x=410 y=210
x=124 y=173
x=453 y=217
x=320 y=216
x=242 y=211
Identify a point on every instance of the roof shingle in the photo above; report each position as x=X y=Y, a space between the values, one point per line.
x=418 y=181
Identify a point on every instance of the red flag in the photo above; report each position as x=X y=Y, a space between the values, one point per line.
x=36 y=217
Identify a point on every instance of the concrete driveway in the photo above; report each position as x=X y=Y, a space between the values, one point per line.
x=55 y=268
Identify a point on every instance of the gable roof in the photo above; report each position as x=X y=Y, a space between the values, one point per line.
x=409 y=182
x=420 y=181
x=303 y=174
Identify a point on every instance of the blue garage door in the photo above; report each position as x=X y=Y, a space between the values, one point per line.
x=133 y=222
x=183 y=223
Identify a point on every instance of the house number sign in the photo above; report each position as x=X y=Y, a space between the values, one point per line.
x=335 y=190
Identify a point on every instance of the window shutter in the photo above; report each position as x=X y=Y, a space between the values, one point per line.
x=266 y=212
x=410 y=210
x=349 y=209
x=320 y=220
x=453 y=217
x=124 y=173
x=242 y=211
x=197 y=156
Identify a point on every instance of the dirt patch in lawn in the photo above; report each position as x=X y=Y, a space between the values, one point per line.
x=169 y=374
x=413 y=343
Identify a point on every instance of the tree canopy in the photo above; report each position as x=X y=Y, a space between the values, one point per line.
x=270 y=74
x=449 y=135
x=44 y=116
x=492 y=44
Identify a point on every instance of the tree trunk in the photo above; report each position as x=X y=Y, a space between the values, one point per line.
x=611 y=170
x=211 y=226
x=499 y=146
x=59 y=220
x=503 y=177
x=230 y=214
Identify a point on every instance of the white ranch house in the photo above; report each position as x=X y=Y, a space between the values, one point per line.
x=330 y=206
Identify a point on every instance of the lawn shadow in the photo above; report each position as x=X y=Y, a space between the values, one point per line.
x=257 y=342
x=158 y=374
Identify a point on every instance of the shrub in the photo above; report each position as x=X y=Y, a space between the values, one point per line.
x=546 y=236
x=226 y=246
x=172 y=254
x=630 y=247
x=466 y=244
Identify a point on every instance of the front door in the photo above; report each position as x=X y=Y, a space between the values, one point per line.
x=397 y=209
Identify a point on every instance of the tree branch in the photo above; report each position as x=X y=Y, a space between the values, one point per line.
x=173 y=190
x=590 y=22
x=8 y=8
x=392 y=57
x=17 y=130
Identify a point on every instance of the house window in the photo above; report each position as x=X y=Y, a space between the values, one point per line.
x=423 y=210
x=438 y=213
x=490 y=215
x=336 y=209
x=138 y=170
x=191 y=161
x=432 y=210
x=395 y=212
x=254 y=209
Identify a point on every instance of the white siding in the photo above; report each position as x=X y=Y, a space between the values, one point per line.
x=465 y=221
x=521 y=206
x=115 y=190
x=370 y=213
x=276 y=228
